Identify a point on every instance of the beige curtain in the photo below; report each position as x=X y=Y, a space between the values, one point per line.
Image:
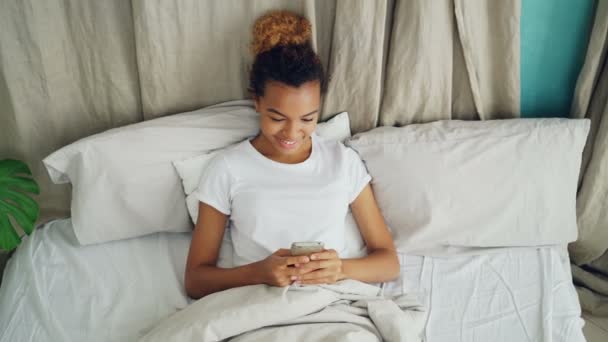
x=589 y=253
x=452 y=60
x=69 y=69
x=401 y=62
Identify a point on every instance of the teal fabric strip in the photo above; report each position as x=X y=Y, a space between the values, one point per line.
x=554 y=37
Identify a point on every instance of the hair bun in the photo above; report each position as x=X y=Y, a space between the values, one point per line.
x=279 y=28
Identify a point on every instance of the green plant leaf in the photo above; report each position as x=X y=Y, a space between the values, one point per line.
x=15 y=202
x=27 y=204
x=8 y=237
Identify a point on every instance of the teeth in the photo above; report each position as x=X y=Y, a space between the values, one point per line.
x=287 y=142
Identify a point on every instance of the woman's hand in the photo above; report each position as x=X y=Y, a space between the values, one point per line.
x=324 y=268
x=278 y=269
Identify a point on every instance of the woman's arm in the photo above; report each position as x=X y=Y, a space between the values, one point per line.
x=380 y=265
x=202 y=277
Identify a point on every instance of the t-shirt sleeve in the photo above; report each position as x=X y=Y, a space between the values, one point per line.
x=356 y=174
x=215 y=184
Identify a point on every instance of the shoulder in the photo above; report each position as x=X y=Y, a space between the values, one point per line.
x=231 y=154
x=223 y=160
x=234 y=150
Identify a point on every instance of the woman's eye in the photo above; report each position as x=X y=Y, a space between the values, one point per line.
x=308 y=120
x=276 y=120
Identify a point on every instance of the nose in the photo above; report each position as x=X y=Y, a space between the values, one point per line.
x=291 y=130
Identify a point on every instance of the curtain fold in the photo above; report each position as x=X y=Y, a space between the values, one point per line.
x=589 y=253
x=419 y=69
x=591 y=101
x=489 y=35
x=355 y=65
x=452 y=60
x=69 y=69
x=195 y=53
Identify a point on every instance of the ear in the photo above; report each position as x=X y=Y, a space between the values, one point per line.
x=256 y=103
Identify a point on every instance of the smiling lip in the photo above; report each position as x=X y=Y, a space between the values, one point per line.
x=287 y=144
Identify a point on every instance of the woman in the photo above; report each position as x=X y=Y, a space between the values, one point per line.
x=286 y=184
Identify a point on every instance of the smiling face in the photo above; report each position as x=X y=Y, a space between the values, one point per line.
x=288 y=116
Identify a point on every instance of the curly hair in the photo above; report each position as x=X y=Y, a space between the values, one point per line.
x=283 y=52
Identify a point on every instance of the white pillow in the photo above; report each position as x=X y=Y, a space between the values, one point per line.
x=123 y=182
x=476 y=183
x=191 y=169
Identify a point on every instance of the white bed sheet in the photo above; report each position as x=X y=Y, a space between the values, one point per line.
x=507 y=295
x=55 y=290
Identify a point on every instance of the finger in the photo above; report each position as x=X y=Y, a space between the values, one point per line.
x=293 y=260
x=326 y=254
x=297 y=272
x=316 y=275
x=326 y=280
x=315 y=265
x=282 y=252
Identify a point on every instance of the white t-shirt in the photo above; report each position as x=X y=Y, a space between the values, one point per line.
x=273 y=204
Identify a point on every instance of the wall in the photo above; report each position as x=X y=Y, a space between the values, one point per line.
x=554 y=36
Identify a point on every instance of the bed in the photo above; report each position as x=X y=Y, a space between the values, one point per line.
x=480 y=223
x=57 y=290
x=105 y=275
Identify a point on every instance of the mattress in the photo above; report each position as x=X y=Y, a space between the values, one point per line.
x=507 y=295
x=56 y=290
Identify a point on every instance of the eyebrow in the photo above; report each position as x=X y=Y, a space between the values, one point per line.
x=277 y=112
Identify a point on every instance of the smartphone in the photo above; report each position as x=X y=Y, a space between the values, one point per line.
x=306 y=247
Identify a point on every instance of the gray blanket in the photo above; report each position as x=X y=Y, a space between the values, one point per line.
x=347 y=311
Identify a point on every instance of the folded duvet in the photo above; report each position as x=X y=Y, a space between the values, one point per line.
x=346 y=311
